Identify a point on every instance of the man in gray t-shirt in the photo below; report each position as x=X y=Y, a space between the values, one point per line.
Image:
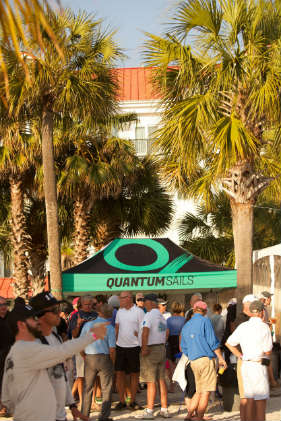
x=27 y=391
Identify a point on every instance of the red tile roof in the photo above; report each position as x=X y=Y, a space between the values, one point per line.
x=135 y=84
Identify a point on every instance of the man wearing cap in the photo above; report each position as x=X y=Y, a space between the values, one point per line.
x=255 y=340
x=197 y=296
x=243 y=317
x=200 y=344
x=127 y=325
x=140 y=301
x=153 y=356
x=99 y=359
x=162 y=305
x=265 y=298
x=47 y=308
x=27 y=391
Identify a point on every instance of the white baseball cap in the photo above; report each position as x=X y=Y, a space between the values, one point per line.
x=249 y=298
x=114 y=301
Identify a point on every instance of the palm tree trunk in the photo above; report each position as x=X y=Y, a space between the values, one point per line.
x=81 y=237
x=50 y=190
x=242 y=223
x=19 y=239
x=106 y=231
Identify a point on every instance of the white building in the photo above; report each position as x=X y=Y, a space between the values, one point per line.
x=137 y=95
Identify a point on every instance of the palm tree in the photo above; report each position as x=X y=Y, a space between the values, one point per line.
x=77 y=86
x=208 y=232
x=19 y=20
x=16 y=155
x=142 y=207
x=219 y=72
x=94 y=169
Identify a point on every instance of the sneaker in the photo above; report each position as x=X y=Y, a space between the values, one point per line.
x=120 y=406
x=164 y=414
x=145 y=415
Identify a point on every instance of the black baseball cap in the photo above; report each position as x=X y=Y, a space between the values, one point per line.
x=21 y=311
x=43 y=300
x=256 y=306
x=151 y=297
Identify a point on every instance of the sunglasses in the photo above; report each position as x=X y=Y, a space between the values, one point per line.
x=140 y=299
x=54 y=310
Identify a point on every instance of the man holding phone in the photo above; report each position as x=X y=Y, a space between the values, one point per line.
x=255 y=340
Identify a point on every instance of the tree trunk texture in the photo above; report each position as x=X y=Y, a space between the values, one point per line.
x=106 y=231
x=19 y=239
x=242 y=223
x=81 y=237
x=50 y=191
x=243 y=186
x=37 y=258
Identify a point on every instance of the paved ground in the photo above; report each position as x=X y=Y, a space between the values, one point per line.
x=178 y=412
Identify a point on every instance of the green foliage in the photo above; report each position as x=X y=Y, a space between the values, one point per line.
x=219 y=72
x=208 y=233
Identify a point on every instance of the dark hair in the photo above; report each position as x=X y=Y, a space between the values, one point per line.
x=101 y=299
x=66 y=307
x=189 y=315
x=217 y=307
x=13 y=325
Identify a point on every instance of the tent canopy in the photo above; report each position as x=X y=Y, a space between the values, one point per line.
x=145 y=264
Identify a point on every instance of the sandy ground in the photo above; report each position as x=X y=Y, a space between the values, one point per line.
x=178 y=412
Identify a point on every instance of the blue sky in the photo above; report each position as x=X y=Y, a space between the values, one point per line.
x=129 y=18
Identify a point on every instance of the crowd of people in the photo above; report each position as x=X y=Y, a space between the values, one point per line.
x=55 y=355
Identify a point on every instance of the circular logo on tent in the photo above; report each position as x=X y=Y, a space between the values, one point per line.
x=161 y=252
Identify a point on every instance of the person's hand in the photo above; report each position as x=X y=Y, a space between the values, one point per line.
x=78 y=415
x=145 y=351
x=79 y=320
x=222 y=363
x=99 y=329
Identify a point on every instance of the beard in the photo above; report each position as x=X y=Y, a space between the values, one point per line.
x=35 y=331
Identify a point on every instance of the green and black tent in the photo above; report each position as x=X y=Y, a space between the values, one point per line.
x=143 y=264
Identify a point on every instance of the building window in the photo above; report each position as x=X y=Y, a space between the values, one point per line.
x=151 y=135
x=140 y=141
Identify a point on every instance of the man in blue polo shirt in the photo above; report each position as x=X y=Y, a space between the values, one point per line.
x=99 y=360
x=200 y=344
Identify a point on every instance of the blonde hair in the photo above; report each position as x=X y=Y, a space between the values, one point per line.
x=177 y=307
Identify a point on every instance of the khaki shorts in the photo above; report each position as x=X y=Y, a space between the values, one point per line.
x=239 y=378
x=152 y=366
x=205 y=374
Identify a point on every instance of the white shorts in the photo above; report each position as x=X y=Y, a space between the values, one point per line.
x=79 y=361
x=255 y=380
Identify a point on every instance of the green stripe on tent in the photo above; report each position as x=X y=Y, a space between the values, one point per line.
x=84 y=282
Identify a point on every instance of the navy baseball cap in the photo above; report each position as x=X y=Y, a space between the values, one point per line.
x=43 y=300
x=151 y=297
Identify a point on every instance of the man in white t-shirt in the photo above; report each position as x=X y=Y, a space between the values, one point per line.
x=255 y=340
x=127 y=324
x=27 y=391
x=162 y=305
x=153 y=356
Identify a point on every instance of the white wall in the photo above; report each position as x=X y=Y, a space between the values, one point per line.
x=149 y=115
